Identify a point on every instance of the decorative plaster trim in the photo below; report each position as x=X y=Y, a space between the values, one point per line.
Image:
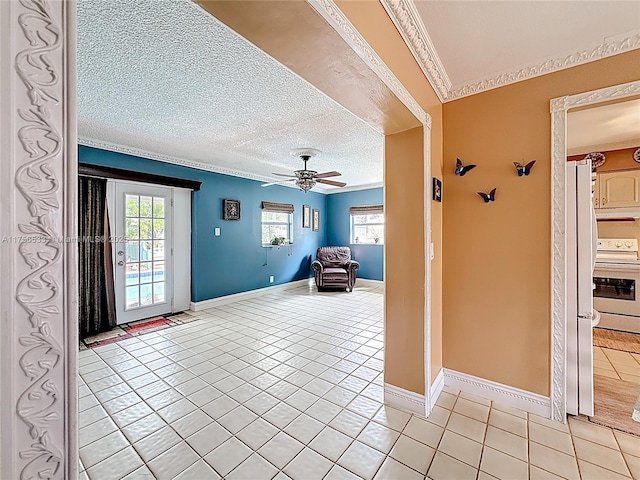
x=406 y=18
x=38 y=290
x=436 y=388
x=341 y=24
x=402 y=399
x=355 y=188
x=606 y=49
x=234 y=297
x=605 y=147
x=559 y=107
x=506 y=395
x=427 y=185
x=137 y=152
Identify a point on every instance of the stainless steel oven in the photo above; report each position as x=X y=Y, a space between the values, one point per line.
x=616 y=279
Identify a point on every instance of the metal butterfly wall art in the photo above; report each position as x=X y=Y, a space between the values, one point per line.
x=461 y=169
x=488 y=197
x=524 y=169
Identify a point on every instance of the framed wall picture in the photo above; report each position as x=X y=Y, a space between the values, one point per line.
x=316 y=220
x=230 y=209
x=306 y=216
x=437 y=190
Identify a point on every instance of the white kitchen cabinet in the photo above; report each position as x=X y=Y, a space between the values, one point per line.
x=617 y=189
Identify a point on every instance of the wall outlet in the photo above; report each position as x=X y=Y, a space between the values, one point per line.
x=216 y=232
x=271 y=279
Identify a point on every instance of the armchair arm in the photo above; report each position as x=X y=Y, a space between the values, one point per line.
x=352 y=266
x=317 y=266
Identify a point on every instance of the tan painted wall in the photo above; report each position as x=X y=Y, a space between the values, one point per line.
x=616 y=160
x=404 y=274
x=373 y=23
x=496 y=297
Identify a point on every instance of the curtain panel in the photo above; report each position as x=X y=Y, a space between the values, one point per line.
x=96 y=303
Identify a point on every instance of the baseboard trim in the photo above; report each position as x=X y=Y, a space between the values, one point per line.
x=504 y=394
x=402 y=399
x=367 y=281
x=436 y=388
x=234 y=297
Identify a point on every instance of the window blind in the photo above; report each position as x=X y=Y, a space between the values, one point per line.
x=366 y=210
x=278 y=207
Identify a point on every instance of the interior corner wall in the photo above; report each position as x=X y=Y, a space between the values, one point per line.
x=497 y=255
x=371 y=257
x=235 y=261
x=404 y=262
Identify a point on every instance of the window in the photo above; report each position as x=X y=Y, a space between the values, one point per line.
x=367 y=224
x=277 y=221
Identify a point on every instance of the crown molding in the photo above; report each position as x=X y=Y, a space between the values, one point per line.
x=606 y=49
x=341 y=24
x=138 y=152
x=355 y=188
x=605 y=147
x=406 y=18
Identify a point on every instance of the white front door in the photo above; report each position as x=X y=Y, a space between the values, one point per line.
x=143 y=251
x=580 y=262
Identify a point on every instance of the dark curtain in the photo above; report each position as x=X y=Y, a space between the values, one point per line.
x=97 y=296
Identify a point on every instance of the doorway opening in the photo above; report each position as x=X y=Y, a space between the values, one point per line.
x=594 y=360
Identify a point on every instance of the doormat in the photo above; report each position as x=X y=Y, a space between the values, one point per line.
x=613 y=404
x=137 y=327
x=624 y=341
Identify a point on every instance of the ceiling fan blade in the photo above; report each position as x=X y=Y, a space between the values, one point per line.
x=328 y=174
x=331 y=182
x=283 y=175
x=277 y=183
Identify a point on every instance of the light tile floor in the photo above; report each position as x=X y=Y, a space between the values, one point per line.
x=616 y=364
x=290 y=386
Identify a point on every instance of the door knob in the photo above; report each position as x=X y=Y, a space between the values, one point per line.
x=120 y=253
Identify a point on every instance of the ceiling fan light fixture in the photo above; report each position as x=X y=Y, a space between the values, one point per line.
x=305 y=184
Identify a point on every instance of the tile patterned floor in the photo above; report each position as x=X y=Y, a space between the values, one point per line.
x=616 y=364
x=289 y=386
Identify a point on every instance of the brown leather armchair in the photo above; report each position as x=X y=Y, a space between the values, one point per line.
x=333 y=267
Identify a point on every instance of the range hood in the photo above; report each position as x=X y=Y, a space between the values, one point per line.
x=618 y=213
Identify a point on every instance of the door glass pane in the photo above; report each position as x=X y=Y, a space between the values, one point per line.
x=158 y=292
x=145 y=206
x=158 y=271
x=133 y=251
x=158 y=250
x=146 y=298
x=146 y=232
x=145 y=272
x=133 y=228
x=145 y=250
x=158 y=207
x=158 y=228
x=132 y=297
x=132 y=204
x=133 y=277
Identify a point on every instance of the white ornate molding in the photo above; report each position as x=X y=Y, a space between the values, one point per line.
x=407 y=20
x=138 y=152
x=605 y=49
x=38 y=319
x=498 y=392
x=559 y=107
x=341 y=24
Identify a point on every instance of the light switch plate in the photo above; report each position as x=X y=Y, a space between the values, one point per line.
x=216 y=232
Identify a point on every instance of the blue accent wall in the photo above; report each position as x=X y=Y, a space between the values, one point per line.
x=371 y=257
x=235 y=261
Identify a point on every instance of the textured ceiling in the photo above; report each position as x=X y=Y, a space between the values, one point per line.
x=608 y=127
x=167 y=78
x=488 y=41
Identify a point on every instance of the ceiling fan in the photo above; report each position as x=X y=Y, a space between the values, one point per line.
x=306 y=179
